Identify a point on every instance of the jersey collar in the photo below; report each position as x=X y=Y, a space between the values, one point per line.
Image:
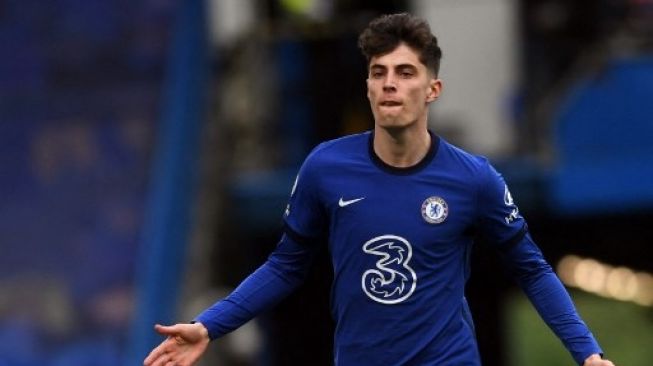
x=433 y=149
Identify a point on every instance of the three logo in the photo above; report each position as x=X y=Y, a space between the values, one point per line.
x=392 y=280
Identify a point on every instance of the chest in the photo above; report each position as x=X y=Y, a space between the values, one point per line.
x=432 y=210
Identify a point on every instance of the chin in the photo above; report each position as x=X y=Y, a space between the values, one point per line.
x=392 y=123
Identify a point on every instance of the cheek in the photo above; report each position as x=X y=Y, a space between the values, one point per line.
x=417 y=96
x=371 y=95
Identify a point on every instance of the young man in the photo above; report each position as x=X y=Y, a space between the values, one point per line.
x=400 y=208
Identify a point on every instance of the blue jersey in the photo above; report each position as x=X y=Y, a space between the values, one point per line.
x=400 y=240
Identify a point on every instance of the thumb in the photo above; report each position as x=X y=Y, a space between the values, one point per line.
x=167 y=330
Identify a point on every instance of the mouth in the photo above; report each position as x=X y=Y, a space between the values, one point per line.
x=390 y=103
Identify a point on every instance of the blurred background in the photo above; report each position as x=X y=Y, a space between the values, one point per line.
x=147 y=149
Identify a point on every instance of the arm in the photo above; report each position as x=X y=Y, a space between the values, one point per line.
x=285 y=269
x=534 y=275
x=502 y=224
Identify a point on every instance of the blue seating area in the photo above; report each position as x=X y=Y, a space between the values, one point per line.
x=79 y=92
x=603 y=137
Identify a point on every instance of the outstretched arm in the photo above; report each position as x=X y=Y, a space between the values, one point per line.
x=502 y=224
x=285 y=269
x=550 y=298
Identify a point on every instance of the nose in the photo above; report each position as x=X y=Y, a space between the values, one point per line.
x=389 y=84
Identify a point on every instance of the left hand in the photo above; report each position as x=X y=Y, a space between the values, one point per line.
x=596 y=360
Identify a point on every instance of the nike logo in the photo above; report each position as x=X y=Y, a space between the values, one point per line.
x=343 y=203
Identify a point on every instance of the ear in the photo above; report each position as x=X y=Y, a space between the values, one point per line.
x=367 y=87
x=434 y=89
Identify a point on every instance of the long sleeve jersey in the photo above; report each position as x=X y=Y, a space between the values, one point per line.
x=400 y=241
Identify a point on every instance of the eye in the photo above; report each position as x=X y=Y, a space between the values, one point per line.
x=376 y=74
x=406 y=72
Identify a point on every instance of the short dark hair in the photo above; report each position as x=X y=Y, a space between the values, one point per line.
x=386 y=32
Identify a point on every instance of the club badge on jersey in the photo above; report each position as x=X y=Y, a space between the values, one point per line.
x=435 y=210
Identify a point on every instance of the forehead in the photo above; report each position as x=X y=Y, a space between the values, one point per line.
x=402 y=55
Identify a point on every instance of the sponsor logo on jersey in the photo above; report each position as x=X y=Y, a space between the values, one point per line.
x=507 y=199
x=435 y=210
x=343 y=203
x=392 y=280
x=292 y=193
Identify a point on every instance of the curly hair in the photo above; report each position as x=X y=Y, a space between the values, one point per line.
x=386 y=32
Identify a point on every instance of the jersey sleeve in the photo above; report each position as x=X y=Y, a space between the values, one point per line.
x=527 y=265
x=504 y=228
x=285 y=269
x=500 y=222
x=305 y=217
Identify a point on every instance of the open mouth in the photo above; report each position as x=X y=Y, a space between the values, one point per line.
x=390 y=103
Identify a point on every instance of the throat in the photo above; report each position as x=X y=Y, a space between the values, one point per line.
x=401 y=150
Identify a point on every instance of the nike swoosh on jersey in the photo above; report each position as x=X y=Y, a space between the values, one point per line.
x=343 y=203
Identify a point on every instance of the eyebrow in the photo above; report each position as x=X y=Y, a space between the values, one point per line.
x=400 y=66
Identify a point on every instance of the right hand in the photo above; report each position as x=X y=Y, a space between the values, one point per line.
x=184 y=345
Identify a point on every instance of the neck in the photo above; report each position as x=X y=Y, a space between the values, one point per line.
x=401 y=148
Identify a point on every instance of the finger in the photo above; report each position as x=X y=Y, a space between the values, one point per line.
x=166 y=349
x=162 y=360
x=167 y=330
x=170 y=362
x=154 y=355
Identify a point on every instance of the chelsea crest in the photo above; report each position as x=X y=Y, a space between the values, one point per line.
x=434 y=210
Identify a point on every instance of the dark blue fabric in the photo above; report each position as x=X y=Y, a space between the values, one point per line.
x=284 y=270
x=399 y=245
x=535 y=276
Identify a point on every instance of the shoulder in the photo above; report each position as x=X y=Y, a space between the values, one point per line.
x=330 y=157
x=337 y=150
x=467 y=163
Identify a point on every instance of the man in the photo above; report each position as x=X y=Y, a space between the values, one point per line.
x=400 y=208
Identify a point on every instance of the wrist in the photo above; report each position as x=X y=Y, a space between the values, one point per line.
x=202 y=329
x=593 y=357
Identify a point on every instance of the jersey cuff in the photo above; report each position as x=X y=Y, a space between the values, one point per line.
x=512 y=242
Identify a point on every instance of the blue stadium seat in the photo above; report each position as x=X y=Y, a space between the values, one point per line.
x=603 y=134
